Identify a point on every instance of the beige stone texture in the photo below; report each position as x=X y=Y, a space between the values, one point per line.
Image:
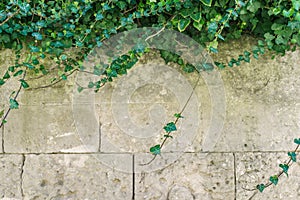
x=46 y=129
x=256 y=168
x=10 y=175
x=192 y=176
x=237 y=128
x=76 y=176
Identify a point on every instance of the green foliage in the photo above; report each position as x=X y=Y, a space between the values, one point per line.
x=292 y=155
x=274 y=179
x=170 y=127
x=52 y=29
x=285 y=168
x=297 y=141
x=178 y=115
x=261 y=187
x=13 y=104
x=155 y=150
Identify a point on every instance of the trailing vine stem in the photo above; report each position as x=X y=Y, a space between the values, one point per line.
x=3 y=120
x=278 y=175
x=168 y=135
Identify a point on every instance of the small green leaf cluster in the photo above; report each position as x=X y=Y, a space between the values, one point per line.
x=169 y=128
x=118 y=66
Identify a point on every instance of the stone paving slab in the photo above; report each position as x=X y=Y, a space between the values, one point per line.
x=45 y=129
x=193 y=176
x=77 y=176
x=256 y=168
x=10 y=176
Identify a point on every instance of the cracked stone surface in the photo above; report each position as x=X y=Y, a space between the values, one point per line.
x=256 y=168
x=10 y=175
x=77 y=177
x=46 y=129
x=193 y=176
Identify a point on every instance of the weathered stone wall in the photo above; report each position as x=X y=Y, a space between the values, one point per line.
x=234 y=133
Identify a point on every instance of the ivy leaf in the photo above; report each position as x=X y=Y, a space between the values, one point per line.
x=206 y=2
x=170 y=127
x=6 y=75
x=220 y=65
x=155 y=150
x=64 y=77
x=183 y=24
x=297 y=141
x=212 y=49
x=30 y=66
x=285 y=168
x=168 y=136
x=91 y=84
x=99 y=16
x=196 y=16
x=185 y=13
x=198 y=25
x=64 y=57
x=261 y=187
x=79 y=89
x=37 y=36
x=2 y=82
x=13 y=104
x=296 y=4
x=18 y=73
x=212 y=27
x=34 y=49
x=293 y=156
x=274 y=179
x=178 y=115
x=288 y=13
x=269 y=37
x=24 y=84
x=221 y=37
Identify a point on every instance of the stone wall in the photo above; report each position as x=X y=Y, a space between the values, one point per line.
x=237 y=128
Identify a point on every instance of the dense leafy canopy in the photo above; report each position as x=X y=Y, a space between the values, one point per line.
x=50 y=28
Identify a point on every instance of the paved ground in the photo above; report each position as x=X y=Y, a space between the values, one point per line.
x=237 y=128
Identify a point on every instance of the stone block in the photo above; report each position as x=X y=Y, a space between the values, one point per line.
x=49 y=128
x=78 y=176
x=10 y=174
x=191 y=176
